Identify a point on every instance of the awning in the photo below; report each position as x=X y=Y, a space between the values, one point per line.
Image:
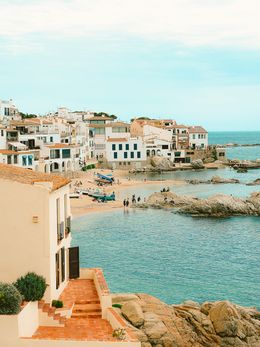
x=17 y=145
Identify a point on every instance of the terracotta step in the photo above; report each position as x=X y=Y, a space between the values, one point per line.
x=87 y=308
x=87 y=302
x=46 y=307
x=86 y=315
x=51 y=311
x=41 y=303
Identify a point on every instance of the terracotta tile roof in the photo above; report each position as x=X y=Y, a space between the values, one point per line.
x=100 y=118
x=25 y=176
x=110 y=139
x=197 y=129
x=118 y=124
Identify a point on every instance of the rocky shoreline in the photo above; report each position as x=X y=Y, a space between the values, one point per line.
x=219 y=205
x=211 y=324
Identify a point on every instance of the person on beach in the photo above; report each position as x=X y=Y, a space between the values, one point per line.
x=138 y=199
x=127 y=202
x=124 y=203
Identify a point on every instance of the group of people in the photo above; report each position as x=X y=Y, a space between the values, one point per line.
x=134 y=200
x=78 y=183
x=164 y=190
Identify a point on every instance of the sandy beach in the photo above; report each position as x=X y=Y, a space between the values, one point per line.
x=86 y=204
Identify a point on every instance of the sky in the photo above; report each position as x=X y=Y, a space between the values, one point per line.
x=195 y=61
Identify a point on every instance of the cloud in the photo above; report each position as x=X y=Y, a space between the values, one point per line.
x=188 y=22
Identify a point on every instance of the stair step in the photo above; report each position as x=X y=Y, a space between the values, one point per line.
x=87 y=302
x=51 y=311
x=46 y=307
x=87 y=308
x=86 y=315
x=41 y=303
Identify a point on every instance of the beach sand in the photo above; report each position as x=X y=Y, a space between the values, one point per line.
x=86 y=204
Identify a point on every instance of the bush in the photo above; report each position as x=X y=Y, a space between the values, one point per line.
x=32 y=286
x=10 y=299
x=57 y=303
x=117 y=305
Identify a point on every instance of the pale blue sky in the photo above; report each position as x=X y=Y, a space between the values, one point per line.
x=134 y=61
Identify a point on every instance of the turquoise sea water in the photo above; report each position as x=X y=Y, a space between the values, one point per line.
x=173 y=257
x=239 y=137
x=176 y=257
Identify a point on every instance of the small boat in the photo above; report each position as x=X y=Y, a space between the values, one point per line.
x=75 y=195
x=104 y=197
x=108 y=177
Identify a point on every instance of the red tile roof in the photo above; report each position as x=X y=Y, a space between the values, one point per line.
x=25 y=176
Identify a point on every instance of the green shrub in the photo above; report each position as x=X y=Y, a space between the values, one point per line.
x=32 y=286
x=10 y=299
x=93 y=166
x=57 y=303
x=84 y=168
x=117 y=305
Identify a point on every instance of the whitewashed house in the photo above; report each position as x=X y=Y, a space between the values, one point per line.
x=198 y=137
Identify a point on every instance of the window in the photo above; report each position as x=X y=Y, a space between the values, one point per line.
x=2 y=132
x=7 y=111
x=125 y=155
x=51 y=139
x=193 y=136
x=202 y=145
x=138 y=155
x=66 y=153
x=99 y=131
x=177 y=154
x=15 y=159
x=132 y=155
x=24 y=160
x=55 y=153
x=9 y=159
x=113 y=147
x=57 y=260
x=30 y=160
x=62 y=264
x=165 y=147
x=120 y=130
x=127 y=147
x=115 y=155
x=135 y=146
x=120 y=147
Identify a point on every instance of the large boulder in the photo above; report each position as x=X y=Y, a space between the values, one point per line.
x=161 y=163
x=225 y=319
x=132 y=311
x=197 y=164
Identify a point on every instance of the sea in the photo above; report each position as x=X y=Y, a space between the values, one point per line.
x=176 y=257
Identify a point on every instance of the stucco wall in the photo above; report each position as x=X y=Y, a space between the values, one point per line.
x=24 y=244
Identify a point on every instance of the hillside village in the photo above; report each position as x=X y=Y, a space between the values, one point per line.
x=66 y=141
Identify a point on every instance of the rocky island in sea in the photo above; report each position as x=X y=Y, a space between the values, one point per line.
x=219 y=205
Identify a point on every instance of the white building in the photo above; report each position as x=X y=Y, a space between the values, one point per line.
x=198 y=137
x=40 y=230
x=8 y=110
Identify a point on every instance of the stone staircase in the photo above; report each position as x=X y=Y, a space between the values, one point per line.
x=51 y=312
x=87 y=309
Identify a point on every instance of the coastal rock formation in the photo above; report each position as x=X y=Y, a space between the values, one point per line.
x=161 y=163
x=212 y=324
x=221 y=180
x=219 y=205
x=197 y=164
x=214 y=180
x=254 y=183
